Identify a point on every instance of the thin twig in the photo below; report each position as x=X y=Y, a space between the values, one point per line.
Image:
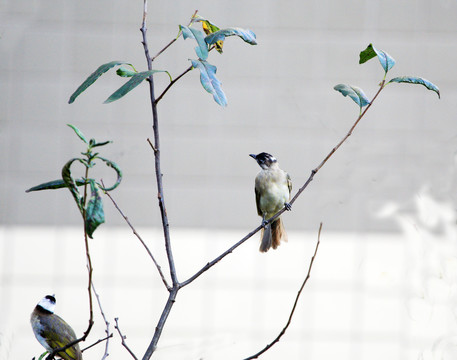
x=172 y=41
x=283 y=331
x=98 y=342
x=159 y=269
x=219 y=258
x=123 y=337
x=108 y=335
x=172 y=83
x=151 y=144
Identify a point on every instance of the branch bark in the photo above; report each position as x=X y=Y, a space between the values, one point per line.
x=123 y=337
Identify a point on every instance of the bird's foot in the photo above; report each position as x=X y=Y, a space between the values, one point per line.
x=264 y=223
x=288 y=206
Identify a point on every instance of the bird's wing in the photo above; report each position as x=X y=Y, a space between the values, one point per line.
x=257 y=201
x=289 y=183
x=66 y=335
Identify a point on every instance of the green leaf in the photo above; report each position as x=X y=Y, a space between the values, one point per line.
x=134 y=81
x=247 y=35
x=70 y=183
x=78 y=132
x=102 y=143
x=93 y=77
x=202 y=49
x=43 y=355
x=118 y=172
x=209 y=81
x=354 y=93
x=417 y=80
x=387 y=62
x=124 y=72
x=55 y=184
x=95 y=215
x=209 y=28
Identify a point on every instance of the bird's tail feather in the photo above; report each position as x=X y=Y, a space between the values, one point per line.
x=272 y=235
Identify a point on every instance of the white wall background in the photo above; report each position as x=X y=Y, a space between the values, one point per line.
x=384 y=281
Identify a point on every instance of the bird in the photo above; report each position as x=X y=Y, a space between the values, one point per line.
x=272 y=192
x=52 y=331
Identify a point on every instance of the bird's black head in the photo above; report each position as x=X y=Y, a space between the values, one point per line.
x=264 y=160
x=48 y=303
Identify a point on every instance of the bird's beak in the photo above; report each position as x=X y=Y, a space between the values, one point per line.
x=253 y=156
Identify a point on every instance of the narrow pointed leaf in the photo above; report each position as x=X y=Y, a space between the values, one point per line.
x=55 y=184
x=79 y=133
x=417 y=80
x=118 y=172
x=209 y=81
x=95 y=215
x=387 y=62
x=247 y=35
x=202 y=49
x=354 y=93
x=134 y=81
x=70 y=183
x=93 y=77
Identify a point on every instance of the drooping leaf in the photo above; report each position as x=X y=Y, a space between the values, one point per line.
x=417 y=80
x=102 y=143
x=55 y=184
x=387 y=62
x=209 y=81
x=95 y=215
x=202 y=49
x=134 y=81
x=78 y=132
x=209 y=28
x=118 y=172
x=124 y=72
x=247 y=35
x=93 y=77
x=354 y=93
x=70 y=183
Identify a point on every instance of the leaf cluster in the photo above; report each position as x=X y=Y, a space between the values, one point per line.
x=212 y=37
x=91 y=207
x=387 y=62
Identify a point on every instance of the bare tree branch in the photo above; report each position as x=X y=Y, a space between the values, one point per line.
x=108 y=335
x=172 y=41
x=123 y=337
x=105 y=355
x=159 y=269
x=283 y=331
x=160 y=196
x=172 y=83
x=155 y=126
